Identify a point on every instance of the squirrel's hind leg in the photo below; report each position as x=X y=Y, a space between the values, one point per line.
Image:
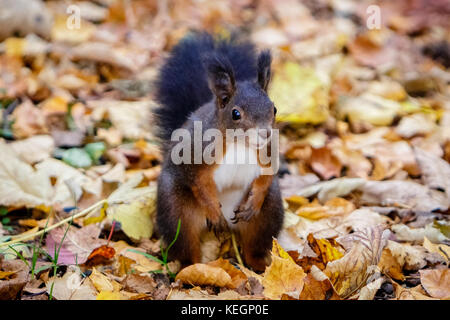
x=187 y=247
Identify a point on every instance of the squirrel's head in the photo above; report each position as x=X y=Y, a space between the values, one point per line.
x=243 y=104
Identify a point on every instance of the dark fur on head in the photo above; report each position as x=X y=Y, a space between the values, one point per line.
x=201 y=66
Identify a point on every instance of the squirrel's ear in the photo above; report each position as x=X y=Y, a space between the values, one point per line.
x=264 y=73
x=220 y=78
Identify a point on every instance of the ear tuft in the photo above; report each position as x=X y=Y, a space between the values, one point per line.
x=264 y=71
x=220 y=77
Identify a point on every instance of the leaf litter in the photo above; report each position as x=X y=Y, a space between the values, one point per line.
x=364 y=137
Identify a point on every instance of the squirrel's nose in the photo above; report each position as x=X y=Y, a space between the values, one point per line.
x=265 y=133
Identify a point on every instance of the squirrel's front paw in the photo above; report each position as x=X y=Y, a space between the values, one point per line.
x=244 y=212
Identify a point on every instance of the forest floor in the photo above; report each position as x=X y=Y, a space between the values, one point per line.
x=363 y=98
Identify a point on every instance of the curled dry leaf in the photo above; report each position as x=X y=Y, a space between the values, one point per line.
x=203 y=274
x=412 y=258
x=436 y=282
x=351 y=272
x=237 y=276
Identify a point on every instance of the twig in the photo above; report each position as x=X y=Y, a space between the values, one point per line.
x=236 y=251
x=32 y=235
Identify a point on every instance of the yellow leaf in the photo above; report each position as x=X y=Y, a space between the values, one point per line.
x=299 y=95
x=100 y=218
x=278 y=251
x=6 y=274
x=203 y=274
x=15 y=46
x=283 y=276
x=109 y=295
x=100 y=281
x=133 y=208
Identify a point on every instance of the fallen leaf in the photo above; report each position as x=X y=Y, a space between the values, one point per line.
x=324 y=163
x=139 y=283
x=351 y=272
x=236 y=275
x=203 y=274
x=71 y=287
x=317 y=287
x=442 y=249
x=405 y=233
x=29 y=121
x=100 y=255
x=14 y=278
x=77 y=245
x=299 y=95
x=109 y=295
x=100 y=281
x=133 y=208
x=390 y=266
x=327 y=190
x=34 y=149
x=435 y=171
x=436 y=282
x=402 y=194
x=21 y=185
x=283 y=276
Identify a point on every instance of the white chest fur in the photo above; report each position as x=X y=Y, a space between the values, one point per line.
x=233 y=177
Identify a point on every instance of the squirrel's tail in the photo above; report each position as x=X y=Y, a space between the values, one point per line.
x=182 y=86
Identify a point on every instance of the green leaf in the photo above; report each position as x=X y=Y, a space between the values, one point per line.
x=3 y=211
x=77 y=158
x=95 y=150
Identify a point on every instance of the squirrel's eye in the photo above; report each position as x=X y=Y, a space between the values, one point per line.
x=235 y=114
x=274 y=110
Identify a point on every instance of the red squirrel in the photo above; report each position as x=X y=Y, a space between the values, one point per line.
x=222 y=84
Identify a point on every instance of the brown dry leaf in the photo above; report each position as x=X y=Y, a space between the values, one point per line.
x=409 y=294
x=14 y=277
x=390 y=266
x=29 y=120
x=318 y=287
x=435 y=171
x=204 y=274
x=237 y=276
x=324 y=163
x=412 y=258
x=139 y=283
x=436 y=282
x=351 y=272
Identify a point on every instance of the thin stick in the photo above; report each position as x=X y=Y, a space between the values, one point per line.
x=32 y=235
x=236 y=251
